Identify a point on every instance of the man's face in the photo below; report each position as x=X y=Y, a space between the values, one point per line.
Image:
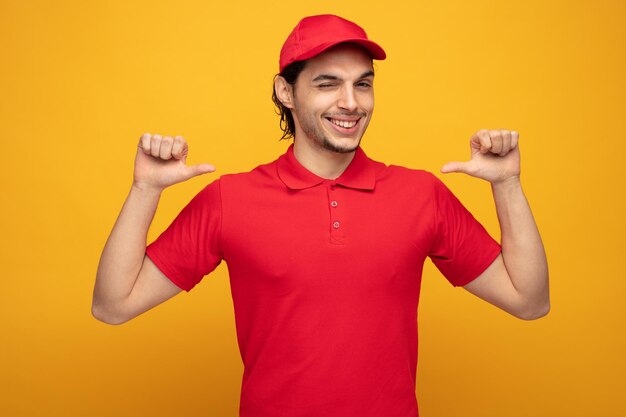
x=333 y=99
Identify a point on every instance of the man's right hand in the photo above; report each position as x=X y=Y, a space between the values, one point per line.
x=161 y=162
x=127 y=282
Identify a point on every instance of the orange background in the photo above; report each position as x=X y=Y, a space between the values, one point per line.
x=80 y=81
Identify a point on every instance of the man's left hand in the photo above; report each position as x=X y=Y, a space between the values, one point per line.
x=494 y=158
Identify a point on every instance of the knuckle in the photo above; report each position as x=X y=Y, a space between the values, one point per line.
x=144 y=140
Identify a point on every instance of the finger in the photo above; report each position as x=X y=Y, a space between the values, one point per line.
x=155 y=145
x=496 y=141
x=464 y=167
x=165 y=152
x=514 y=139
x=195 y=170
x=184 y=152
x=475 y=143
x=485 y=140
x=506 y=142
x=144 y=143
x=177 y=148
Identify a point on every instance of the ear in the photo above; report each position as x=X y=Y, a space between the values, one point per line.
x=284 y=91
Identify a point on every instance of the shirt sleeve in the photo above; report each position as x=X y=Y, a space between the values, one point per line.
x=463 y=249
x=190 y=247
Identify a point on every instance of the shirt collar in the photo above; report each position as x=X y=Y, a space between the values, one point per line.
x=360 y=174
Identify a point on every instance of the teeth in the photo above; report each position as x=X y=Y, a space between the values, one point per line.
x=344 y=123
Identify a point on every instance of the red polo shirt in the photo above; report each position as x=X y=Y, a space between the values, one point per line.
x=325 y=277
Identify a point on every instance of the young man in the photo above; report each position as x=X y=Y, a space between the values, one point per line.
x=325 y=246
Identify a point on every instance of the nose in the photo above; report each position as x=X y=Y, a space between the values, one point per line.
x=347 y=99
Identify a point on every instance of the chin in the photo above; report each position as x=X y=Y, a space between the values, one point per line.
x=340 y=145
x=338 y=148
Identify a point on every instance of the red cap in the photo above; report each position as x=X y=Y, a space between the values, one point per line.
x=315 y=34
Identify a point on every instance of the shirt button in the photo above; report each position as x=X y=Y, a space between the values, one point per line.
x=334 y=203
x=336 y=225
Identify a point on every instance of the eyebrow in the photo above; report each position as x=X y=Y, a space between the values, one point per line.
x=323 y=77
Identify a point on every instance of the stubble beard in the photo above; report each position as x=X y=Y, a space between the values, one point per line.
x=318 y=137
x=328 y=145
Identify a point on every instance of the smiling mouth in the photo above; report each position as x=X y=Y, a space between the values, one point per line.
x=346 y=124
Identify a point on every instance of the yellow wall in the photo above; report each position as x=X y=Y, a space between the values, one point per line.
x=80 y=81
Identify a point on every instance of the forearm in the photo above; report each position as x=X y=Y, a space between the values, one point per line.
x=123 y=254
x=522 y=249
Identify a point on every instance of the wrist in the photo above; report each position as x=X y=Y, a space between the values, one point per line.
x=147 y=189
x=509 y=183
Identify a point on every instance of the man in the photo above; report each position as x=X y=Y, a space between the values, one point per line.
x=324 y=246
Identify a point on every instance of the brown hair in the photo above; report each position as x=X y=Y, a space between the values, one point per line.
x=290 y=74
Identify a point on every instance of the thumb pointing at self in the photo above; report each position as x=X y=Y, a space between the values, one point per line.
x=195 y=170
x=463 y=167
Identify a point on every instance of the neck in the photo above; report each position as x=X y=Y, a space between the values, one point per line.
x=322 y=162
